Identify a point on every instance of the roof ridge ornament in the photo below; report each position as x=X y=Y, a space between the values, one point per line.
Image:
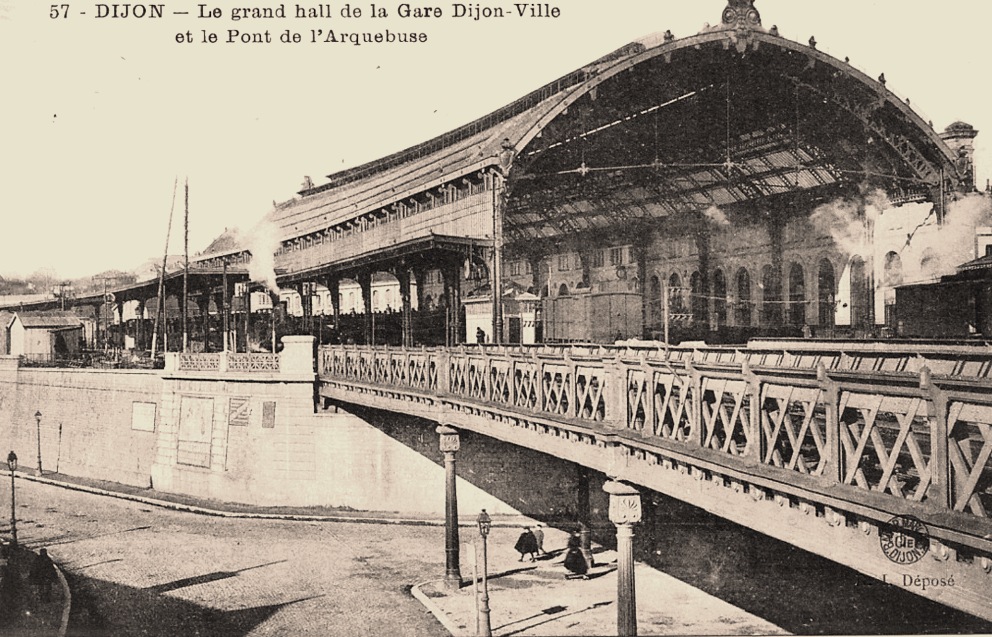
x=741 y=14
x=741 y=19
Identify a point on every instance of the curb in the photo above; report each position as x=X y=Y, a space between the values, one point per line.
x=439 y=614
x=434 y=609
x=189 y=508
x=67 y=607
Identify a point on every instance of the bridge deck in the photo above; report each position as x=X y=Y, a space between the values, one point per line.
x=850 y=436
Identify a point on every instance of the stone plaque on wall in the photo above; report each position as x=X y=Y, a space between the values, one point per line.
x=269 y=414
x=196 y=426
x=239 y=410
x=143 y=416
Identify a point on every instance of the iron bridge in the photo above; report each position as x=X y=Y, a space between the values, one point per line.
x=825 y=445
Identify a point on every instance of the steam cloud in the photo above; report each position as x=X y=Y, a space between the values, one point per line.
x=954 y=242
x=847 y=226
x=716 y=216
x=938 y=251
x=261 y=241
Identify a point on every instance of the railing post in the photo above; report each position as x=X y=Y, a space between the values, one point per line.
x=833 y=467
x=940 y=471
x=758 y=445
x=617 y=406
x=695 y=402
x=569 y=388
x=444 y=372
x=489 y=374
x=511 y=378
x=539 y=384
x=648 y=393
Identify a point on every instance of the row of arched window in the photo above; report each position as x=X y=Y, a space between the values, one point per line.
x=744 y=300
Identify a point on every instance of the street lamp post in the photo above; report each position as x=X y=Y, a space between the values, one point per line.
x=37 y=420
x=485 y=523
x=12 y=463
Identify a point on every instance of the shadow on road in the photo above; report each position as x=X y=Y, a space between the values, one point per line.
x=107 y=609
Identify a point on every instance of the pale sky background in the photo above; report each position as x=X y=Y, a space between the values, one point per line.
x=98 y=117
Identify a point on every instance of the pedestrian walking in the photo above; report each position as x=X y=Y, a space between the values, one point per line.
x=43 y=575
x=526 y=544
x=539 y=536
x=575 y=561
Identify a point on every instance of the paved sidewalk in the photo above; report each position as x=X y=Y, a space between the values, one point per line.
x=536 y=598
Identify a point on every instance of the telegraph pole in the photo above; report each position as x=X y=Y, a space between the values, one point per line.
x=186 y=271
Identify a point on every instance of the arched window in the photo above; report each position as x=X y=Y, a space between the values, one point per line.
x=891 y=278
x=676 y=305
x=826 y=286
x=930 y=264
x=859 y=293
x=563 y=289
x=700 y=306
x=771 y=297
x=743 y=297
x=797 y=295
x=720 y=297
x=892 y=270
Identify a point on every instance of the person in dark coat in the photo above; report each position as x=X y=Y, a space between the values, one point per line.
x=539 y=536
x=526 y=543
x=43 y=575
x=575 y=561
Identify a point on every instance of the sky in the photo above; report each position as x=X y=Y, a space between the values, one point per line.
x=99 y=117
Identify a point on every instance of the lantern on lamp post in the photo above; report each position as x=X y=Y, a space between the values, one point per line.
x=12 y=464
x=485 y=524
x=37 y=420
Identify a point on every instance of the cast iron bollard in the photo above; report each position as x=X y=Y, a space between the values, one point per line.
x=625 y=511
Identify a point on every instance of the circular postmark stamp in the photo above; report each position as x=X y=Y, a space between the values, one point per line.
x=904 y=539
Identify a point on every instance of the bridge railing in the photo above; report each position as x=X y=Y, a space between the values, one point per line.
x=902 y=431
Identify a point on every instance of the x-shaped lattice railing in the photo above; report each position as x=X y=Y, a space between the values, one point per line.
x=456 y=377
x=477 y=380
x=590 y=384
x=855 y=437
x=557 y=387
x=525 y=385
x=637 y=397
x=968 y=426
x=673 y=414
x=779 y=405
x=723 y=424
x=500 y=380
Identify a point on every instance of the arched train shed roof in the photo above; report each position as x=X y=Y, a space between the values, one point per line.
x=732 y=116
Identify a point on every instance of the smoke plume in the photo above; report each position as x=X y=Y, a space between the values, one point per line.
x=940 y=252
x=262 y=241
x=848 y=221
x=716 y=216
